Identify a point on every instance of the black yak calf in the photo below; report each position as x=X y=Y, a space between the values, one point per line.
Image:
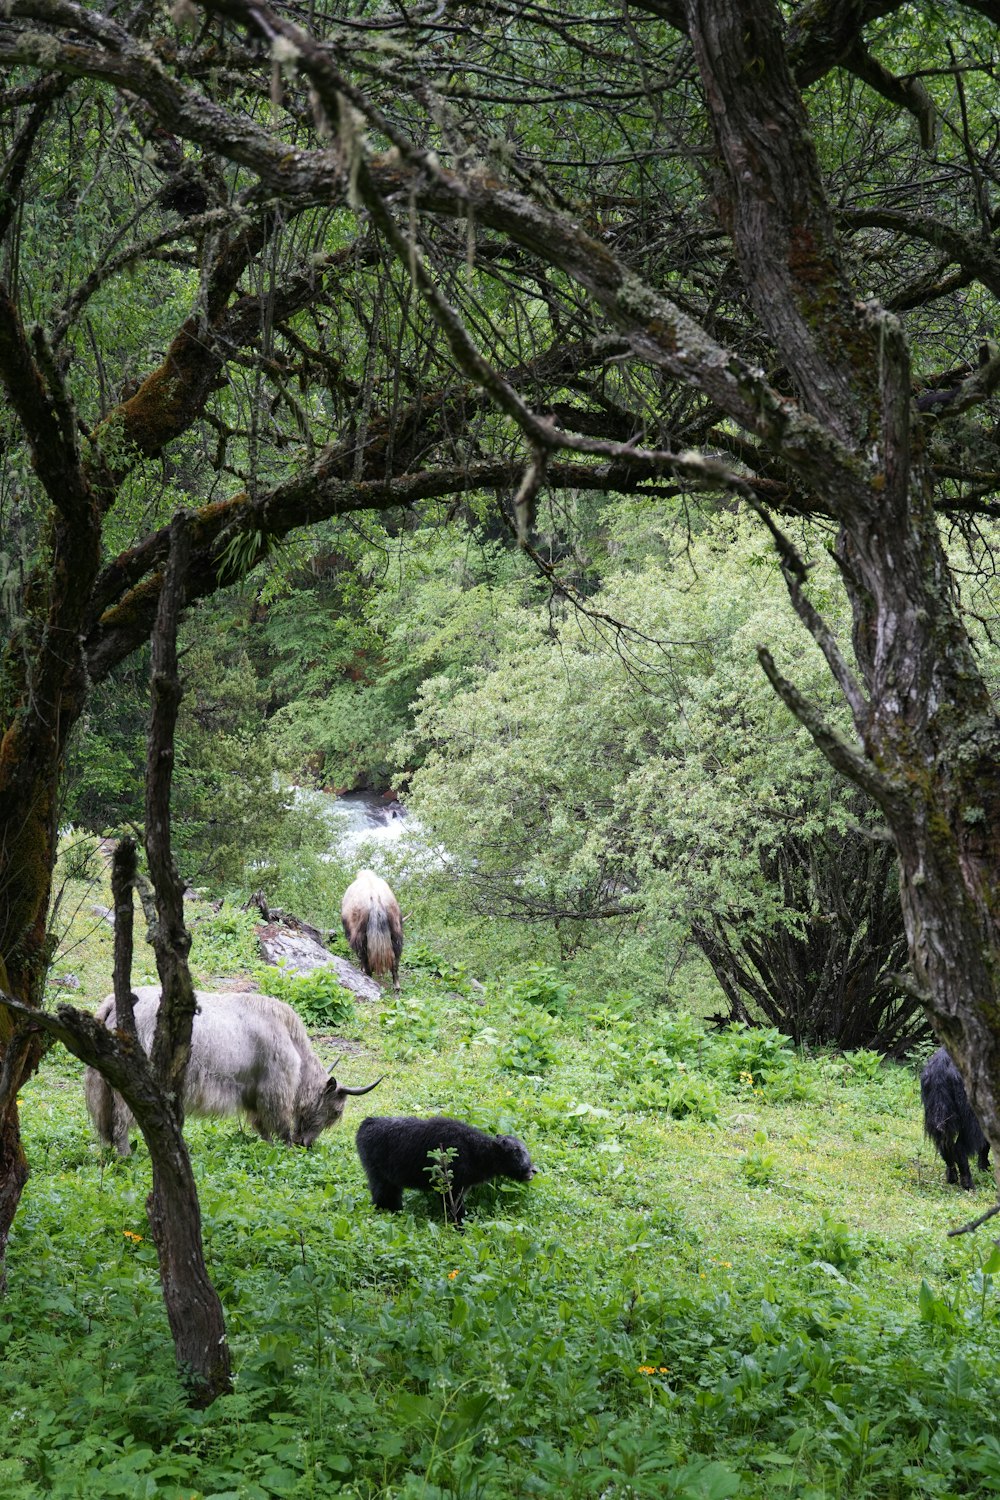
x=438 y=1155
x=949 y=1119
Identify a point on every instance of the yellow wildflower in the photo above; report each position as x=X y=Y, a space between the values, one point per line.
x=452 y=1275
x=137 y=1238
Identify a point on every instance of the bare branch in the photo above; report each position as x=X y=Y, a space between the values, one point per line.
x=795 y=573
x=844 y=757
x=123 y=873
x=909 y=93
x=171 y=940
x=975 y=1224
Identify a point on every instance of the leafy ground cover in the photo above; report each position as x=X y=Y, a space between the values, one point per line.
x=731 y=1276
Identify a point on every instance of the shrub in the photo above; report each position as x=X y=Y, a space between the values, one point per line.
x=318 y=997
x=422 y=960
x=224 y=942
x=670 y=1086
x=823 y=968
x=832 y=1242
x=531 y=1044
x=760 y=1058
x=79 y=856
x=758 y=1164
x=541 y=986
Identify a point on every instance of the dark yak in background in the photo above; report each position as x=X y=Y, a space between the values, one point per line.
x=949 y=1119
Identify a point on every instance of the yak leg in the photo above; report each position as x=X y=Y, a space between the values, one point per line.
x=270 y=1125
x=385 y=1194
x=121 y=1119
x=957 y=1163
x=949 y=1155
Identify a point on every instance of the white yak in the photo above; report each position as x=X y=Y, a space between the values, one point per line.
x=248 y=1052
x=373 y=925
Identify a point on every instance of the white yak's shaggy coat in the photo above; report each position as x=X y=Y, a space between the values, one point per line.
x=248 y=1052
x=373 y=925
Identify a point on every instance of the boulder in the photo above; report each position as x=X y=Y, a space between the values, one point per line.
x=300 y=953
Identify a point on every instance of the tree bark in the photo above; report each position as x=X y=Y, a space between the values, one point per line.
x=153 y=1088
x=193 y=1307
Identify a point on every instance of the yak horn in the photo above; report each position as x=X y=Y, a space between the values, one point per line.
x=366 y=1090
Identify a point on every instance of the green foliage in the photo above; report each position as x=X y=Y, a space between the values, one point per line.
x=230 y=813
x=760 y=1058
x=667 y=1085
x=659 y=791
x=531 y=1041
x=351 y=649
x=318 y=997
x=681 y=1303
x=224 y=942
x=542 y=986
x=758 y=1164
x=410 y=1023
x=233 y=822
x=105 y=764
x=441 y=1176
x=424 y=963
x=865 y=1064
x=833 y=1242
x=78 y=856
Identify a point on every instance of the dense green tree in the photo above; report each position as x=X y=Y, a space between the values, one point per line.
x=662 y=786
x=278 y=275
x=230 y=812
x=350 y=645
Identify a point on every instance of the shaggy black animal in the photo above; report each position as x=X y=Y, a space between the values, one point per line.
x=949 y=1119
x=438 y=1155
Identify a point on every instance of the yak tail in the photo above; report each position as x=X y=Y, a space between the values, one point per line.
x=382 y=955
x=373 y=925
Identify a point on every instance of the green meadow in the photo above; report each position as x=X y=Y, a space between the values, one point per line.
x=731 y=1276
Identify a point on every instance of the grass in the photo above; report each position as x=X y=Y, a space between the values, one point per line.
x=731 y=1276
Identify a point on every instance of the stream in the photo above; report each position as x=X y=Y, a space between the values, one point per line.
x=364 y=827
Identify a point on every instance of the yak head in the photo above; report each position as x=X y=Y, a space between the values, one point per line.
x=518 y=1163
x=326 y=1109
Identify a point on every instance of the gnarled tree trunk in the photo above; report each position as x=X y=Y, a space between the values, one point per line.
x=929 y=735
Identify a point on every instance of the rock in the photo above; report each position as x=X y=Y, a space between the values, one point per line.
x=301 y=954
x=105 y=913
